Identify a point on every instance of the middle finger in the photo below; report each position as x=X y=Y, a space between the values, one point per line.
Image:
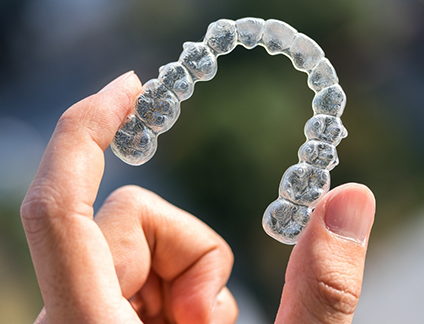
x=145 y=231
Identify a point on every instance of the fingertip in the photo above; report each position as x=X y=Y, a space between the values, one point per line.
x=346 y=212
x=101 y=114
x=127 y=82
x=353 y=187
x=349 y=212
x=120 y=94
x=116 y=81
x=324 y=275
x=196 y=293
x=225 y=310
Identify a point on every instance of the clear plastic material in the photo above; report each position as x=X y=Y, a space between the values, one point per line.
x=330 y=101
x=222 y=36
x=319 y=154
x=302 y=185
x=322 y=76
x=278 y=37
x=134 y=142
x=176 y=77
x=157 y=106
x=305 y=53
x=199 y=60
x=325 y=128
x=250 y=31
x=285 y=221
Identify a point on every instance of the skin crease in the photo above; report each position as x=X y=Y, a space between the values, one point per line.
x=142 y=260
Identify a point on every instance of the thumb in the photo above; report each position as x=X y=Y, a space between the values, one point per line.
x=324 y=274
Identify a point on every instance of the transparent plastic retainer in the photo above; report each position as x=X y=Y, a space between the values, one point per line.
x=302 y=185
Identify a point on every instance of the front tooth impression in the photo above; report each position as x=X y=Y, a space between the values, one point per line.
x=322 y=76
x=249 y=31
x=278 y=36
x=305 y=53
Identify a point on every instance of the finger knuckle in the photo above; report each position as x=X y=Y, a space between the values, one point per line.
x=38 y=208
x=131 y=191
x=227 y=251
x=70 y=119
x=133 y=195
x=88 y=117
x=338 y=293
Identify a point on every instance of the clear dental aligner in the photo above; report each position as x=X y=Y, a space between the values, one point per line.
x=303 y=184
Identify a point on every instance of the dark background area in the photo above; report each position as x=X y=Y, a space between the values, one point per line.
x=224 y=158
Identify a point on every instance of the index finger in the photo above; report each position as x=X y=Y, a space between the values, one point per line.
x=190 y=261
x=73 y=163
x=57 y=210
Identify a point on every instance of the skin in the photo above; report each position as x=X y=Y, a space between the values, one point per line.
x=143 y=260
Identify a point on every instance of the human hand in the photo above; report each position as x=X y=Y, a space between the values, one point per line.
x=324 y=274
x=140 y=259
x=172 y=267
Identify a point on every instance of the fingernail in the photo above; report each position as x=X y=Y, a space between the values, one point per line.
x=115 y=82
x=350 y=212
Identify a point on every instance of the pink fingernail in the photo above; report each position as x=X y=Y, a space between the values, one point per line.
x=350 y=212
x=115 y=82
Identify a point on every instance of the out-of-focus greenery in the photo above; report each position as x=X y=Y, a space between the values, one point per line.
x=240 y=131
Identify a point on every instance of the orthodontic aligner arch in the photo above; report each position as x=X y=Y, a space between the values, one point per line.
x=303 y=184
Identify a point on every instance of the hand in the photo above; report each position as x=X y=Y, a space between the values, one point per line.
x=324 y=274
x=143 y=258
x=140 y=257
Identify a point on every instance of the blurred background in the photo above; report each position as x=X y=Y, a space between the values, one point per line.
x=224 y=158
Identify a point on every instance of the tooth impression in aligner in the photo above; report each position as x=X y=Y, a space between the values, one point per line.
x=304 y=184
